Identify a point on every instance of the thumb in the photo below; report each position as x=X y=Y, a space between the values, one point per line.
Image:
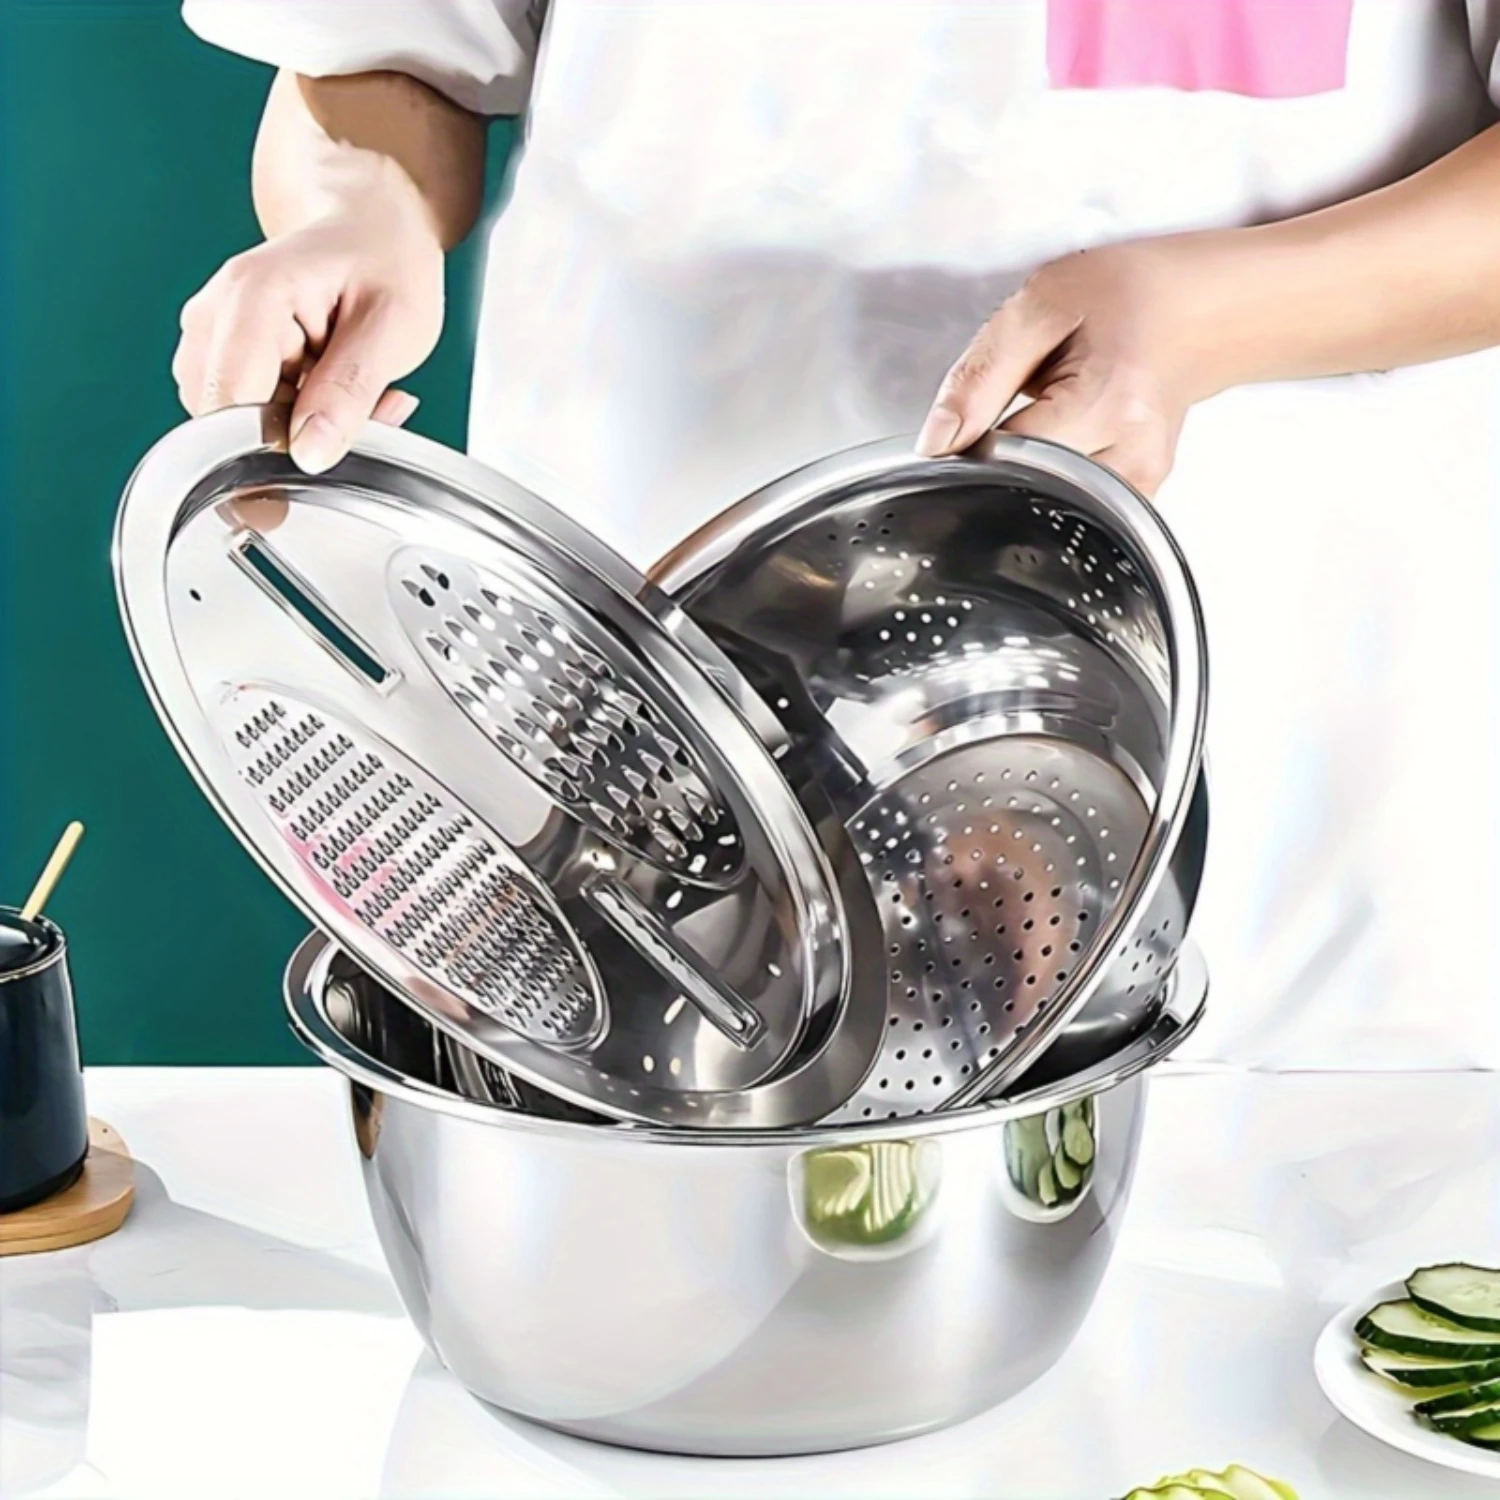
x=343 y=389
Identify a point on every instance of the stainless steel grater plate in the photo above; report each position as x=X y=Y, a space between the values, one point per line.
x=385 y=844
x=504 y=773
x=547 y=695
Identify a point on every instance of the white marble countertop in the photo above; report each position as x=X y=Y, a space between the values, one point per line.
x=239 y=1337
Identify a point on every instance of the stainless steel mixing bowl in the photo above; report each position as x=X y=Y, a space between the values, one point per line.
x=995 y=664
x=734 y=1293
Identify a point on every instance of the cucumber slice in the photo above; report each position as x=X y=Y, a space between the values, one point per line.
x=1047 y=1193
x=1080 y=1109
x=1069 y=1175
x=1078 y=1141
x=1485 y=1394
x=836 y=1182
x=1244 y=1484
x=1167 y=1492
x=1428 y=1373
x=1204 y=1482
x=1026 y=1151
x=1482 y=1437
x=864 y=1195
x=1236 y=1482
x=1476 y=1418
x=1405 y=1329
x=1466 y=1295
x=893 y=1190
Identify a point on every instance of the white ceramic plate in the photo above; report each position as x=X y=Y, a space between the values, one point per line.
x=1379 y=1407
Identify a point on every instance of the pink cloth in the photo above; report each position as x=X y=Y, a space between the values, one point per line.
x=1268 y=49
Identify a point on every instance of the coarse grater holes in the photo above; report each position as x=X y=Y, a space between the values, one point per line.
x=992 y=870
x=391 y=849
x=578 y=723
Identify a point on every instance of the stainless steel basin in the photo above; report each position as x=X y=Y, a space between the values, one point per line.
x=734 y=1293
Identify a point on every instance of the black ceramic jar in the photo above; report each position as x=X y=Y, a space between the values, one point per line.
x=44 y=1128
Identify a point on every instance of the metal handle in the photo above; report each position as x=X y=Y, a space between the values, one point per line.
x=674 y=960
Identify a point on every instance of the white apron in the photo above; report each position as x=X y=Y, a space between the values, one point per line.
x=745 y=233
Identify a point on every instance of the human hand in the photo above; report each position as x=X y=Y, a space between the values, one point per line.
x=1112 y=346
x=325 y=318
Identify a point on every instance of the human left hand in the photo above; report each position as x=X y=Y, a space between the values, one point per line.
x=1111 y=345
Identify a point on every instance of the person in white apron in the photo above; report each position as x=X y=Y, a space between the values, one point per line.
x=743 y=234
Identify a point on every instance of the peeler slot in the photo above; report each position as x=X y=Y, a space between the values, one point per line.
x=281 y=582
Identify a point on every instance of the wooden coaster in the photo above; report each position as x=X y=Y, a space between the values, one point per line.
x=93 y=1207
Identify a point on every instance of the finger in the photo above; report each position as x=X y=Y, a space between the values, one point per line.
x=991 y=372
x=187 y=370
x=194 y=323
x=251 y=346
x=342 y=390
x=395 y=408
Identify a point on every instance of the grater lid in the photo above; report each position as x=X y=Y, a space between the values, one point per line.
x=502 y=770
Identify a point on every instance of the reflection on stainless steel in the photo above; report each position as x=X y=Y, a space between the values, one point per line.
x=443 y=717
x=714 y=1292
x=868 y=1200
x=996 y=665
x=1049 y=1159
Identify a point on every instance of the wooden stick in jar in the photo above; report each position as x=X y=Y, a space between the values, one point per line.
x=42 y=892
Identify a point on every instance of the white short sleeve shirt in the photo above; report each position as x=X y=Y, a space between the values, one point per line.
x=745 y=233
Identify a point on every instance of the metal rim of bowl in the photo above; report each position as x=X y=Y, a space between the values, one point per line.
x=307 y=974
x=774 y=510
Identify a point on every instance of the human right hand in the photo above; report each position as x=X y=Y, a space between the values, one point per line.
x=324 y=317
x=1111 y=346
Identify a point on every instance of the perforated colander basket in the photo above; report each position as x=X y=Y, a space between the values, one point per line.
x=506 y=774
x=997 y=663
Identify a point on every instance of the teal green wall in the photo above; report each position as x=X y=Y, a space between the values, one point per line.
x=126 y=145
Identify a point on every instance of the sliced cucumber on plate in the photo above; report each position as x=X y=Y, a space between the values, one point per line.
x=1442 y=1345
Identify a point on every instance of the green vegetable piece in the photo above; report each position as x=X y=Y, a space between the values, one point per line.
x=1466 y=1295
x=1078 y=1142
x=1246 y=1484
x=1404 y=1328
x=1069 y=1176
x=1465 y=1399
x=1426 y=1373
x=836 y=1182
x=1203 y=1481
x=1469 y=1420
x=1046 y=1187
x=1236 y=1482
x=1026 y=1151
x=1482 y=1437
